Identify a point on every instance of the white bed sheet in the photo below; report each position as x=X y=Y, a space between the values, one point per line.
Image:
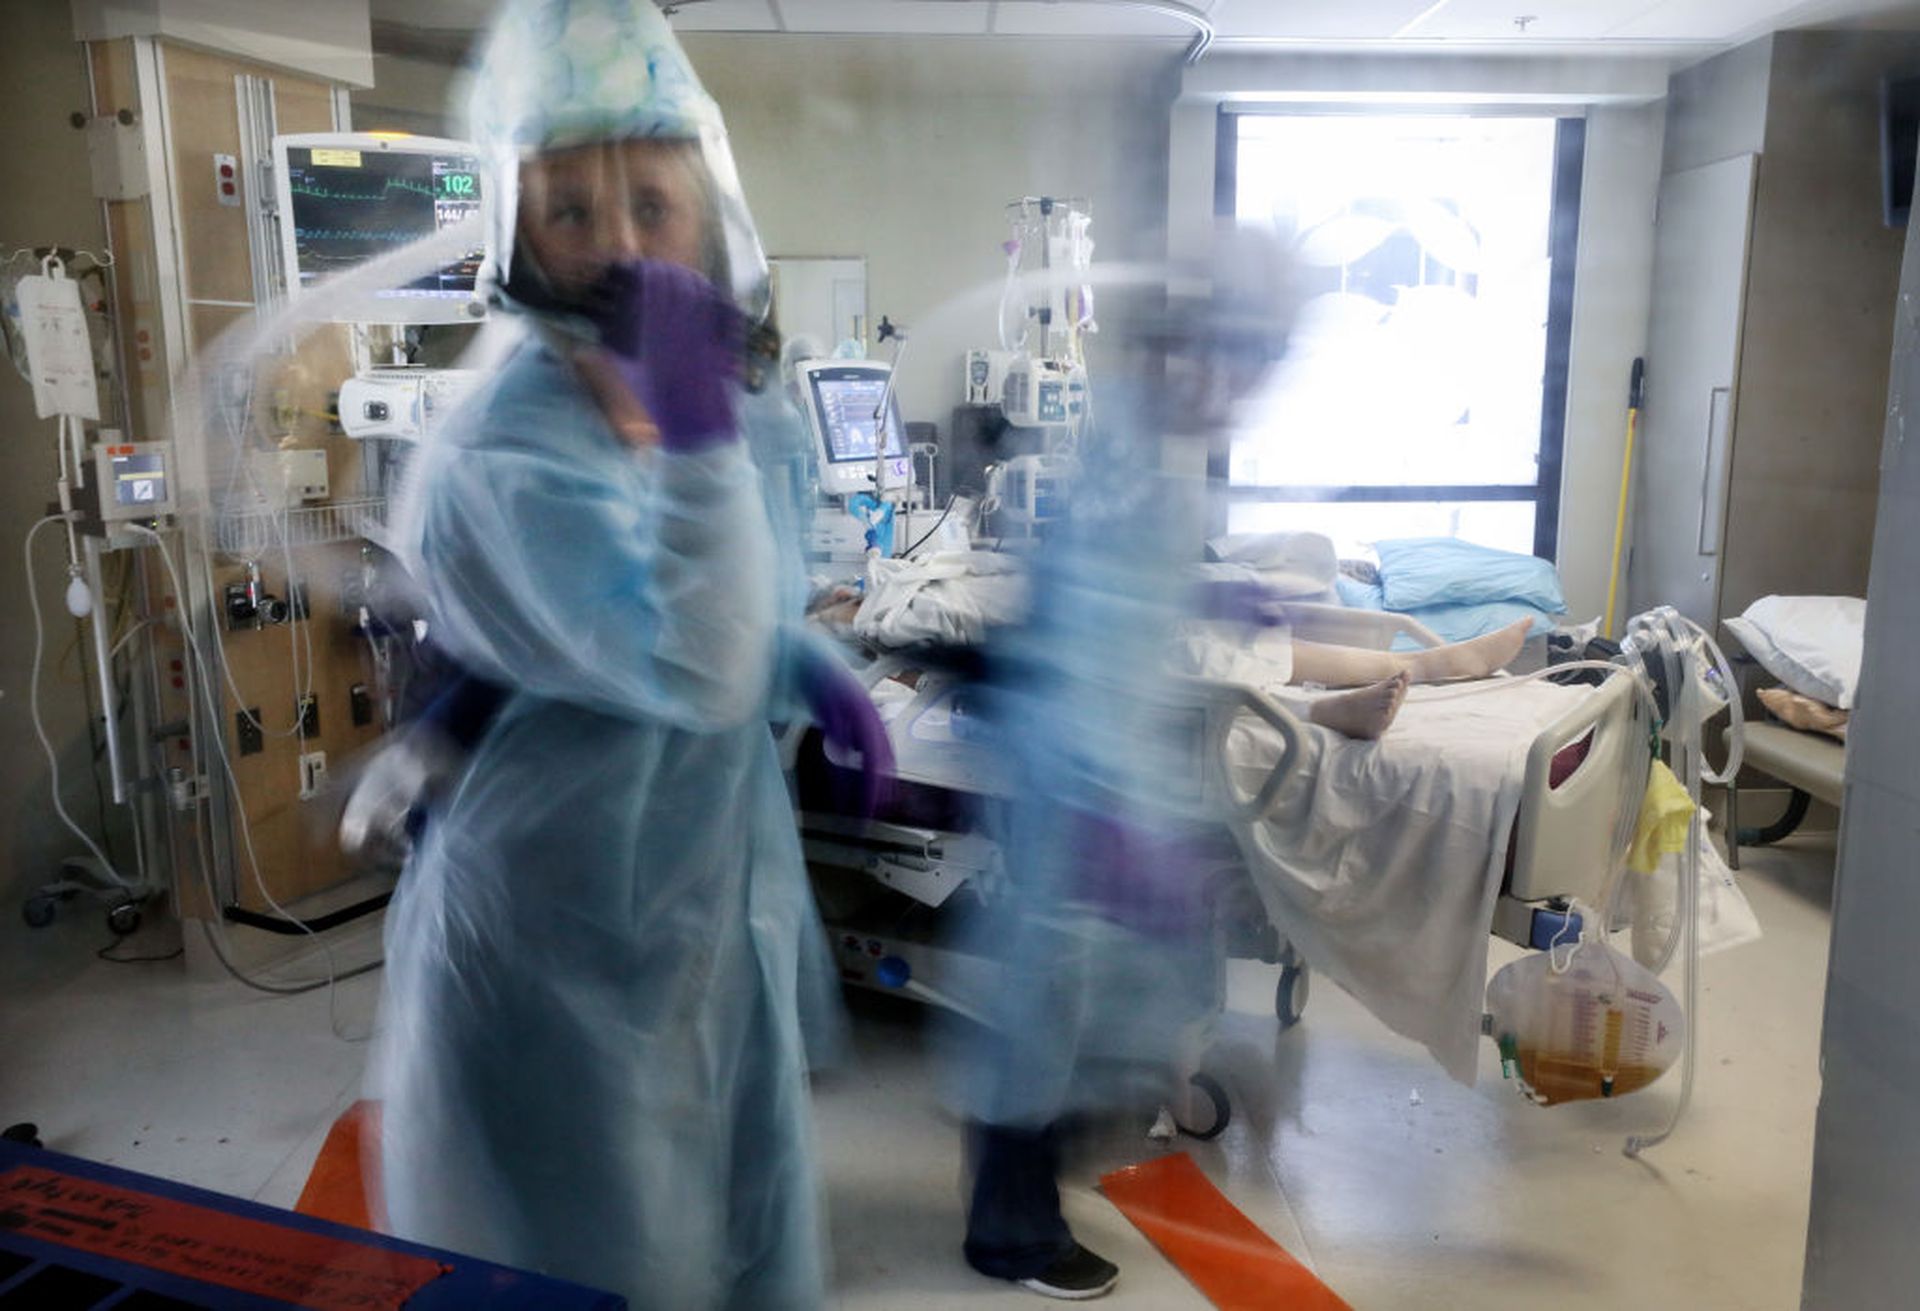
x=954 y=597
x=1381 y=861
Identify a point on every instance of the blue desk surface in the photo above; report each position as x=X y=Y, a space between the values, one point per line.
x=76 y=1236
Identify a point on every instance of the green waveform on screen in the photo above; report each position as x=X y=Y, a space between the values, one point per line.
x=321 y=191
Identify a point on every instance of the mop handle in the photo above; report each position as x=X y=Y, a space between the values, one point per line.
x=1636 y=389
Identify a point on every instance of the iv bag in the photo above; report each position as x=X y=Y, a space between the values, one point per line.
x=1604 y=1027
x=59 y=349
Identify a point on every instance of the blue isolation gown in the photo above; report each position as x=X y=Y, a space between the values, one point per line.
x=1103 y=934
x=591 y=1051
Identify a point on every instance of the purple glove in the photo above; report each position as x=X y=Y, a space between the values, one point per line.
x=1242 y=601
x=676 y=342
x=1149 y=882
x=848 y=721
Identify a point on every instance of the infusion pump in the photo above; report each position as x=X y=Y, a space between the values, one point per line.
x=401 y=402
x=1040 y=393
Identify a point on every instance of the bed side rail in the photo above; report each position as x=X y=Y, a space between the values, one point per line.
x=1226 y=702
x=1563 y=844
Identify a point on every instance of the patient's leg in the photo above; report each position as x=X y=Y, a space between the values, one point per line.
x=1471 y=659
x=1348 y=666
x=1364 y=713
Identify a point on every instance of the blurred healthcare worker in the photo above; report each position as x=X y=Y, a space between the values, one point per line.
x=1103 y=934
x=599 y=957
x=1110 y=972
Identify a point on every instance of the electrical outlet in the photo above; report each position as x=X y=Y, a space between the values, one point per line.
x=246 y=730
x=313 y=774
x=226 y=180
x=360 y=700
x=307 y=710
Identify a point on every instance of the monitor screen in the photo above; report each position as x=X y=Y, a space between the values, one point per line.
x=140 y=480
x=351 y=205
x=845 y=400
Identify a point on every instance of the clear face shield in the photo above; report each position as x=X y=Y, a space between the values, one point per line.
x=562 y=216
x=602 y=147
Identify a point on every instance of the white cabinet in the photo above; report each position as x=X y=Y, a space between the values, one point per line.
x=1699 y=276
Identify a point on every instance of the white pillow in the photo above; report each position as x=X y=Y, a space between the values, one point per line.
x=1810 y=643
x=1297 y=565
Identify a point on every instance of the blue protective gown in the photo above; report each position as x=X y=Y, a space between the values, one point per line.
x=591 y=1056
x=1103 y=931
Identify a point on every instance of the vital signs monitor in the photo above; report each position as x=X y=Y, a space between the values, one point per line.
x=345 y=198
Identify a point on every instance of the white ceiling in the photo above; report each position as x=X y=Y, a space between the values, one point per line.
x=1589 y=26
x=1624 y=24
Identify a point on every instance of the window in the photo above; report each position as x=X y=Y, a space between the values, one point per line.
x=1424 y=390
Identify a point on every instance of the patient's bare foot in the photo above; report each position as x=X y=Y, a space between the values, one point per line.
x=1471 y=659
x=1365 y=712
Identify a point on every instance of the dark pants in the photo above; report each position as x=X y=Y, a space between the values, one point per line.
x=1014 y=1226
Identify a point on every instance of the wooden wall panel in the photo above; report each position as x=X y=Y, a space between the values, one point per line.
x=203 y=120
x=292 y=839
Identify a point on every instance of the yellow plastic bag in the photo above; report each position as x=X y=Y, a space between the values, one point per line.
x=1666 y=813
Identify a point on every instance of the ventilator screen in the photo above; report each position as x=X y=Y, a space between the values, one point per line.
x=847 y=400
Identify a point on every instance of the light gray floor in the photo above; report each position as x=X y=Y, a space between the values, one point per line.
x=1349 y=1147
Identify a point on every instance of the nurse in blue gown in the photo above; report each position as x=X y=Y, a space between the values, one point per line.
x=591 y=1049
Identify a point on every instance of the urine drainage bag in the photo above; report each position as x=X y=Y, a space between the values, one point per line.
x=1602 y=1027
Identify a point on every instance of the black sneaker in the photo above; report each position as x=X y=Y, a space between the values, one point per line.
x=1075 y=1277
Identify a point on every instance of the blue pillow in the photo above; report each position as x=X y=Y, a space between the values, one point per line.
x=1417 y=572
x=1457 y=623
x=1356 y=595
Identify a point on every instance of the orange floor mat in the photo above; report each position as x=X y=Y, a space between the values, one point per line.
x=337 y=1186
x=1227 y=1256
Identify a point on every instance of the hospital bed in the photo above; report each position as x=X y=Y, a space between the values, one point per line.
x=1490 y=807
x=1546 y=782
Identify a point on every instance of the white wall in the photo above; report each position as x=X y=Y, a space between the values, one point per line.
x=1612 y=289
x=906 y=151
x=411 y=95
x=1718 y=107
x=1423 y=78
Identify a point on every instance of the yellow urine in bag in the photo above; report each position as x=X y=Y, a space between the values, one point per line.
x=1555 y=1077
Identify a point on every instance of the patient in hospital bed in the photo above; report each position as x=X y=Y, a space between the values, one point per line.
x=1376 y=681
x=958 y=598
